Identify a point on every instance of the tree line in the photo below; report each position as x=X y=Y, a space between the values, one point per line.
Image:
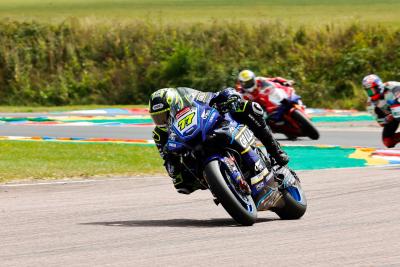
x=72 y=63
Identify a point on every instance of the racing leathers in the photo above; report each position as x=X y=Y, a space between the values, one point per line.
x=243 y=111
x=379 y=107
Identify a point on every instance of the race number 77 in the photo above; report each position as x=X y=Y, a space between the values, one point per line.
x=186 y=121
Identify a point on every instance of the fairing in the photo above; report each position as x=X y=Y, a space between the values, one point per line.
x=195 y=120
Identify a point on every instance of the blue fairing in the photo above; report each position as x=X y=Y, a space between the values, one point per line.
x=285 y=106
x=174 y=146
x=185 y=126
x=295 y=98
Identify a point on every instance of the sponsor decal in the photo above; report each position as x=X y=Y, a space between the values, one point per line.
x=273 y=199
x=245 y=137
x=254 y=120
x=171 y=144
x=258 y=166
x=260 y=186
x=158 y=106
x=201 y=97
x=230 y=163
x=259 y=177
x=182 y=112
x=205 y=114
x=268 y=175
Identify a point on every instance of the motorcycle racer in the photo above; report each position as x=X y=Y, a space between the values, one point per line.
x=262 y=89
x=228 y=100
x=380 y=97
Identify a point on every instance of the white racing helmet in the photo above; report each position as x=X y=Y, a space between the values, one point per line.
x=247 y=80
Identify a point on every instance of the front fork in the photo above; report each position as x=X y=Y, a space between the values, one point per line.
x=236 y=174
x=239 y=142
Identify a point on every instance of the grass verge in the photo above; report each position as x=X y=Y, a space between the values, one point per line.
x=31 y=160
x=45 y=160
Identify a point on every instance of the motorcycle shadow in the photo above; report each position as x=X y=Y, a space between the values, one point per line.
x=283 y=138
x=192 y=223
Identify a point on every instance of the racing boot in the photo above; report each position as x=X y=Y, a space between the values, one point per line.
x=392 y=141
x=272 y=146
x=184 y=182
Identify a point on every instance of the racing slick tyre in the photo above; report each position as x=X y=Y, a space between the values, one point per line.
x=295 y=203
x=240 y=206
x=306 y=125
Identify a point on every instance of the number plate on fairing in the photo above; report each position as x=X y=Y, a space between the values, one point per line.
x=185 y=120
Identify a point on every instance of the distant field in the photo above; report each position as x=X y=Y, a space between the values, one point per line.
x=62 y=108
x=293 y=12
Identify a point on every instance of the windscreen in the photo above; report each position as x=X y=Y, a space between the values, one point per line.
x=185 y=98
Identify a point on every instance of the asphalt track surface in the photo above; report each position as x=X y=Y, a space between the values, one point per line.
x=366 y=135
x=352 y=219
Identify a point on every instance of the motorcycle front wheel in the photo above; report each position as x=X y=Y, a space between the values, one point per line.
x=240 y=206
x=306 y=125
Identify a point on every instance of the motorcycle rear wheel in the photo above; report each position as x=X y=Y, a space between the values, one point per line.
x=241 y=208
x=295 y=204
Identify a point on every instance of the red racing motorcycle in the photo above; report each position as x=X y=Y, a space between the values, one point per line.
x=286 y=112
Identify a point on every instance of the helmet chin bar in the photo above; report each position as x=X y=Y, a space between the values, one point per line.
x=249 y=90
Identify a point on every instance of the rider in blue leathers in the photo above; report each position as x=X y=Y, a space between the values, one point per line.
x=228 y=100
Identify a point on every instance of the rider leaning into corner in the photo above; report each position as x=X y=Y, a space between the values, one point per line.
x=380 y=97
x=228 y=100
x=260 y=89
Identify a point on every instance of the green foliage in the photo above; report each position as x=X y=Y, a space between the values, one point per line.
x=70 y=63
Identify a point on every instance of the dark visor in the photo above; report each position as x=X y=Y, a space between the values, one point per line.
x=160 y=118
x=248 y=84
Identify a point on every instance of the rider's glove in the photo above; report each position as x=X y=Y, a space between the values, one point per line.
x=226 y=100
x=229 y=105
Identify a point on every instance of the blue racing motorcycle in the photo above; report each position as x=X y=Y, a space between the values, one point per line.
x=212 y=144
